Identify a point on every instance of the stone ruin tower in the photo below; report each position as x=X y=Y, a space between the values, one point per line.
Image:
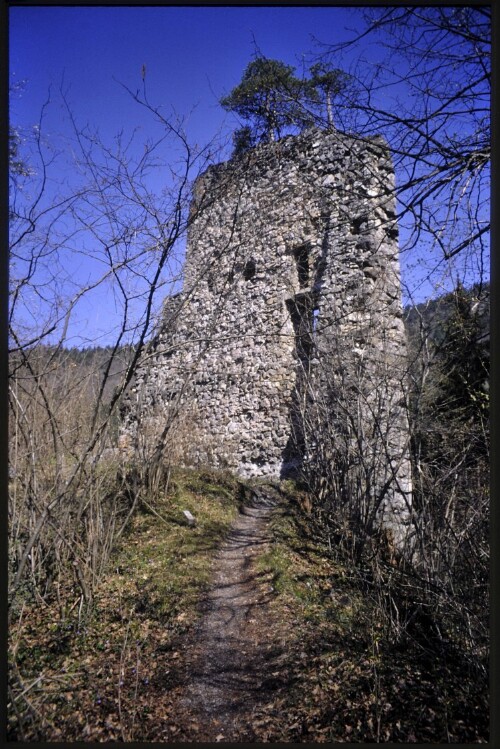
x=289 y=326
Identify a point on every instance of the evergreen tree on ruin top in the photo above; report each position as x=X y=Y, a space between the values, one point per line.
x=327 y=83
x=269 y=96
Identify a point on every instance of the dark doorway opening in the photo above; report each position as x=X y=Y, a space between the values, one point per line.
x=301 y=255
x=302 y=309
x=302 y=313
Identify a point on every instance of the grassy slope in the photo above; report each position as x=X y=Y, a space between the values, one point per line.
x=115 y=677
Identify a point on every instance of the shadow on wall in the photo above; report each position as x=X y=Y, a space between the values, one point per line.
x=303 y=310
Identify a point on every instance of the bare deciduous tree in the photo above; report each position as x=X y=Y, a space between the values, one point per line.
x=429 y=95
x=440 y=582
x=102 y=229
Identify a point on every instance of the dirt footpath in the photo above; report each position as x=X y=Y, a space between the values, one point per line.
x=229 y=676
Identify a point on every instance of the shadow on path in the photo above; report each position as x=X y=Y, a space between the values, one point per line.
x=230 y=669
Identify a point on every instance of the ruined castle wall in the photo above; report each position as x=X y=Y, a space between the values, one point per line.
x=291 y=274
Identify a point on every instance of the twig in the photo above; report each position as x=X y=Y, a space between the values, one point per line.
x=27 y=689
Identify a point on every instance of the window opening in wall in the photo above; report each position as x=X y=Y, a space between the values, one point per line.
x=302 y=259
x=314 y=321
x=249 y=270
x=357 y=223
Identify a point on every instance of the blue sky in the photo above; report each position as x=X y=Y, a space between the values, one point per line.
x=193 y=56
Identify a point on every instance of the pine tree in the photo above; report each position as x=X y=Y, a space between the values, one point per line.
x=269 y=96
x=328 y=82
x=464 y=363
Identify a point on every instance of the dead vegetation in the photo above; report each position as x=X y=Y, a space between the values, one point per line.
x=336 y=671
x=89 y=677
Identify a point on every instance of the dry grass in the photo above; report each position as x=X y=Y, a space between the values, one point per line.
x=341 y=676
x=92 y=681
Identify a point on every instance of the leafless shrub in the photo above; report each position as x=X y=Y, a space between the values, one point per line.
x=436 y=590
x=72 y=489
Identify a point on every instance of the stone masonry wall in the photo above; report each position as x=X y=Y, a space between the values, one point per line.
x=291 y=276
